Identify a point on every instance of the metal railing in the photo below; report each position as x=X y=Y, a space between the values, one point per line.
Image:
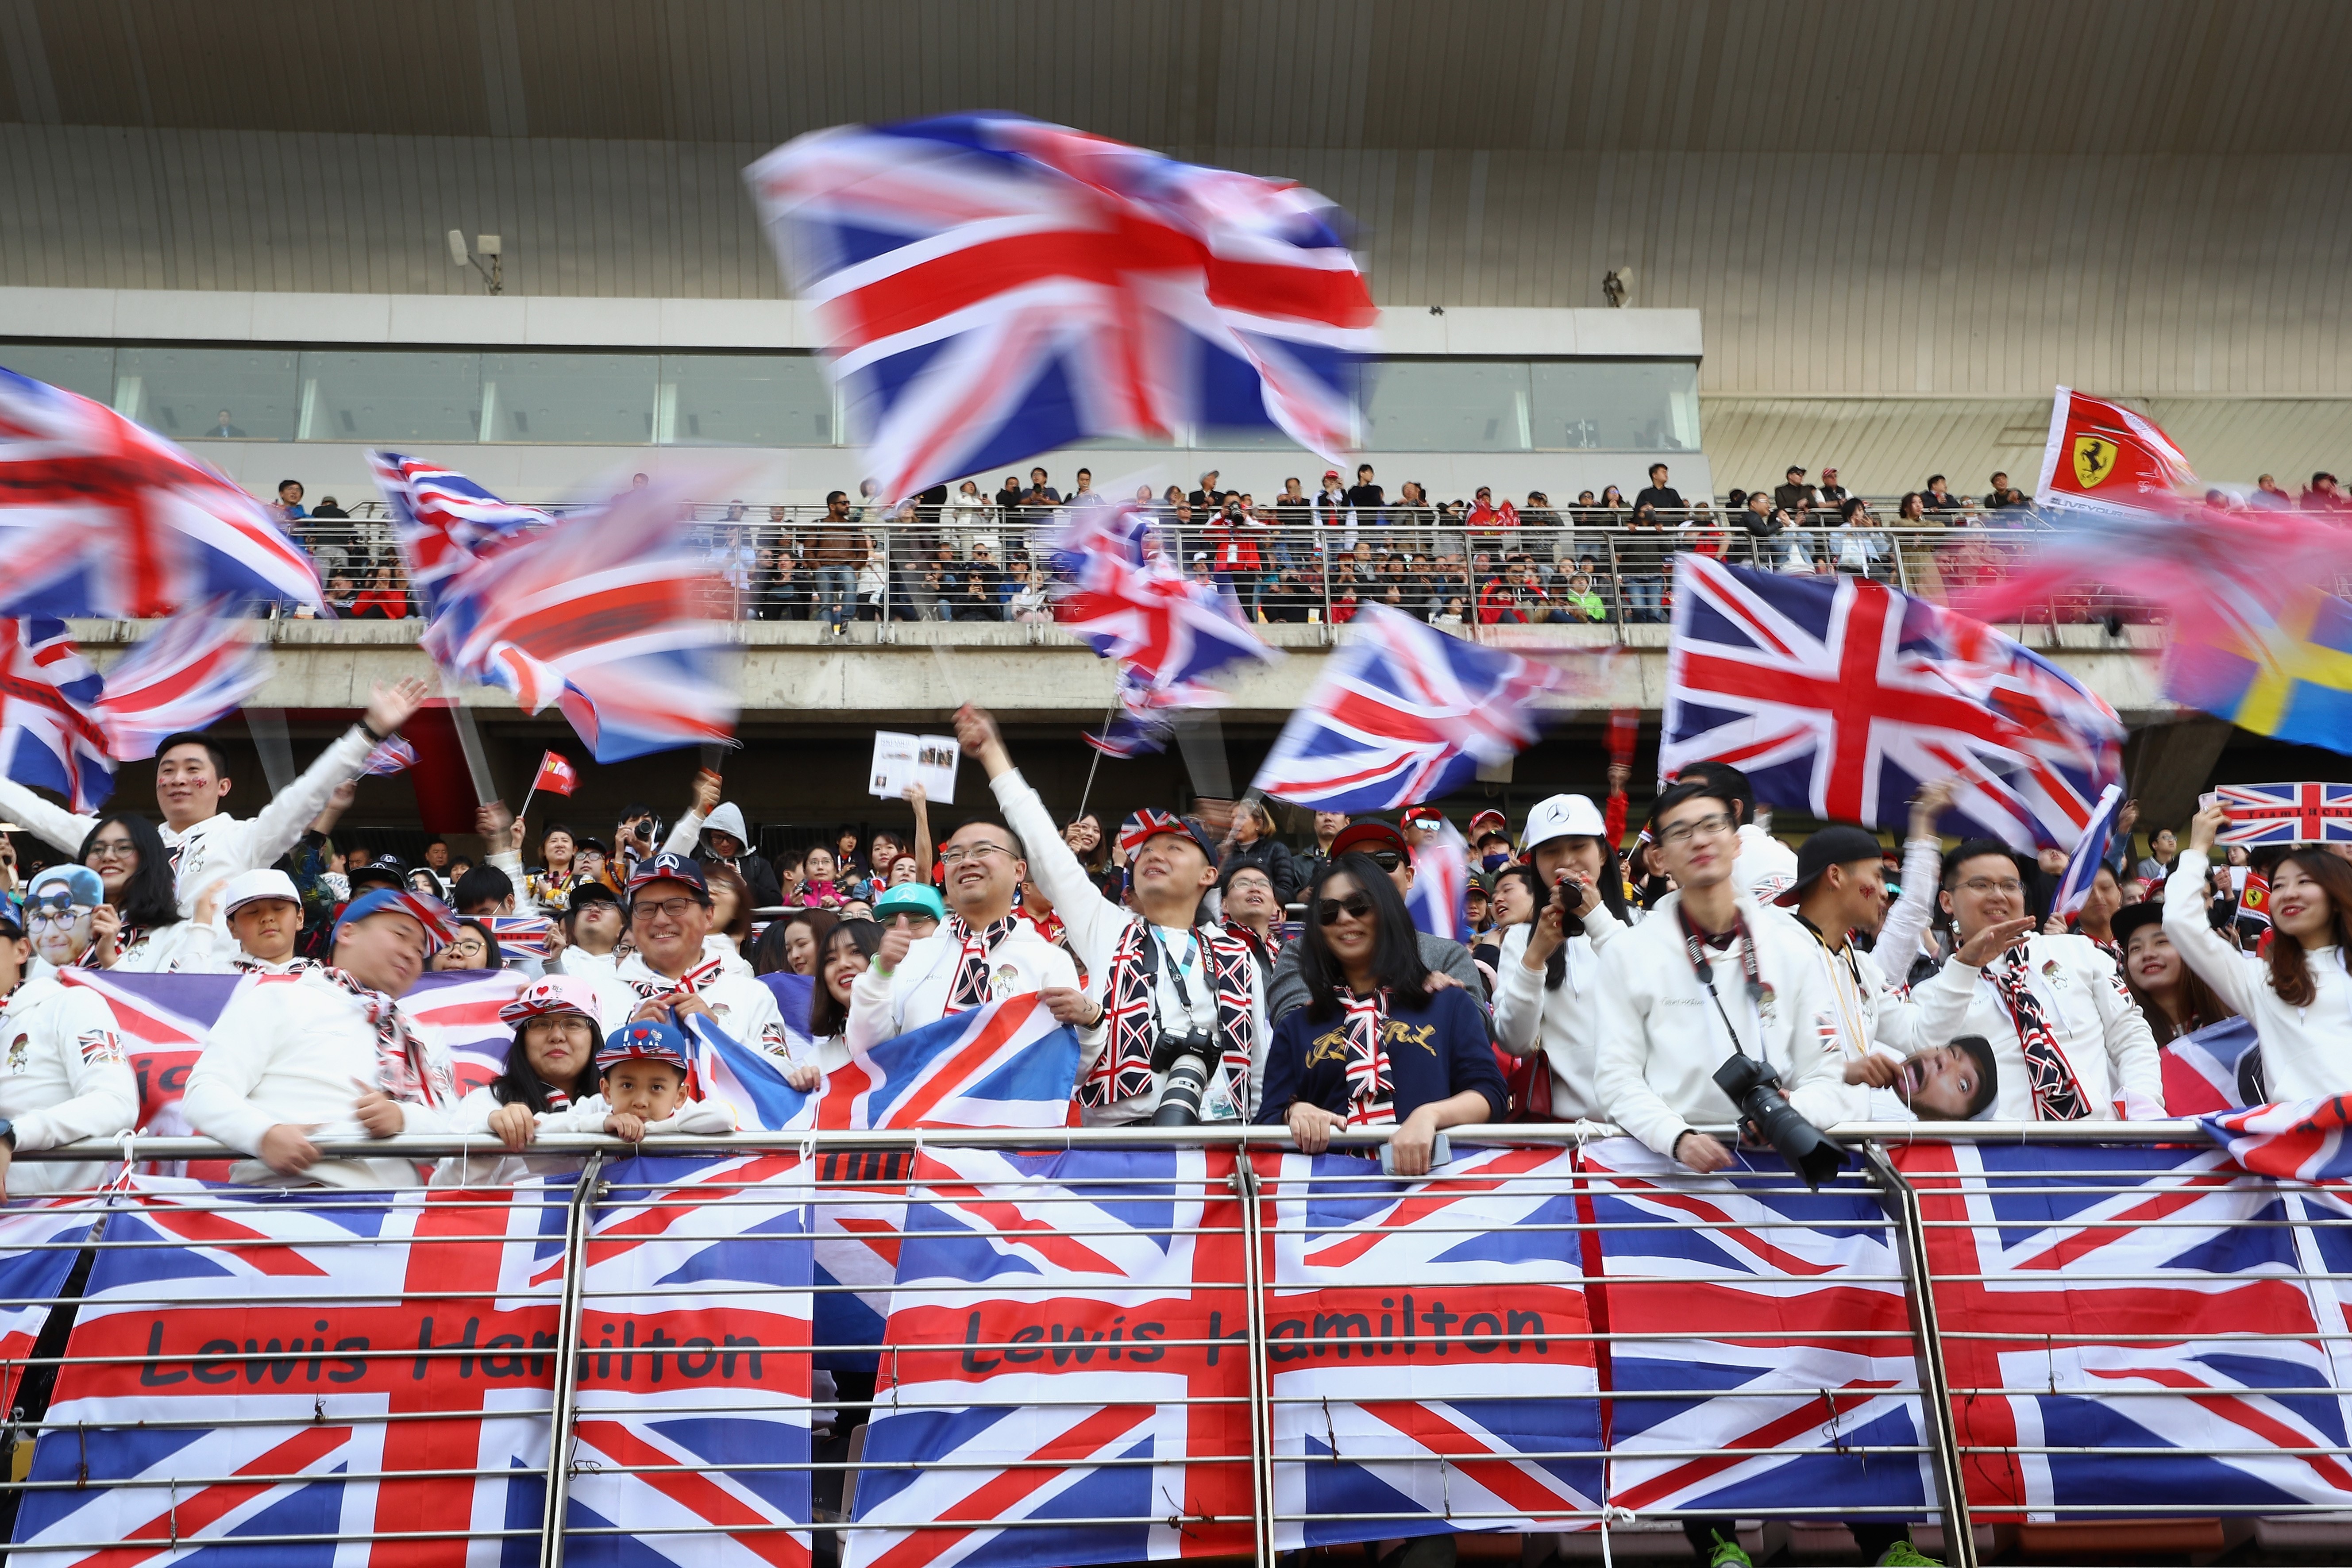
x=1583 y=569
x=583 y=1371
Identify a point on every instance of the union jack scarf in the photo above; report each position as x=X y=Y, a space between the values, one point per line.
x=2057 y=1094
x=1124 y=1071
x=1269 y=947
x=403 y=1069
x=1372 y=1085
x=245 y=964
x=690 y=983
x=971 y=988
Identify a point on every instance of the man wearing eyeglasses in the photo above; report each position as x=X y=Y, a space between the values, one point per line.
x=1448 y=963
x=1708 y=975
x=2069 y=1042
x=1162 y=969
x=981 y=954
x=62 y=1073
x=669 y=977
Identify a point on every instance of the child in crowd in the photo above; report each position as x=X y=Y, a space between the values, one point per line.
x=265 y=915
x=550 y=1066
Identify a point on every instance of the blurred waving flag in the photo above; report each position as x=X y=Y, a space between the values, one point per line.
x=1133 y=606
x=444 y=522
x=603 y=613
x=2090 y=853
x=1439 y=903
x=391 y=755
x=100 y=517
x=1403 y=713
x=1841 y=696
x=50 y=736
x=2102 y=458
x=197 y=668
x=555 y=775
x=992 y=286
x=2296 y=1140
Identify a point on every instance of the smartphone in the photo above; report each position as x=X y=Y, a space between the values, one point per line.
x=2209 y=800
x=1441 y=1152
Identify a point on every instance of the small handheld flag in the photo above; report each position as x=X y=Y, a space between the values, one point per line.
x=2090 y=853
x=555 y=775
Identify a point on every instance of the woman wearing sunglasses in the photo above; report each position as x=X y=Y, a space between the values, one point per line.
x=1373 y=1047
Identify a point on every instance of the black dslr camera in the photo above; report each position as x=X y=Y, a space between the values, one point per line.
x=1184 y=1055
x=1755 y=1088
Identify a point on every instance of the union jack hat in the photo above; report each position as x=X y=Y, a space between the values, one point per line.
x=440 y=924
x=1150 y=823
x=646 y=1040
x=546 y=998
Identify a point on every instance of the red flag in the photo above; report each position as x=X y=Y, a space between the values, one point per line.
x=2101 y=457
x=2254 y=899
x=555 y=775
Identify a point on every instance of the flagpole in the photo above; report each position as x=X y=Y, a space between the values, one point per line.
x=1087 y=793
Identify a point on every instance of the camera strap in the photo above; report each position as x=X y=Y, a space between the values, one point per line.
x=1695 y=948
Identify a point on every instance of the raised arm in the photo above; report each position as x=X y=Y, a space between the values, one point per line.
x=2215 y=962
x=687 y=834
x=279 y=826
x=924 y=850
x=53 y=825
x=1899 y=934
x=1094 y=922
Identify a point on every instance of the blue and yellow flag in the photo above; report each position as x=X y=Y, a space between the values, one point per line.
x=2288 y=675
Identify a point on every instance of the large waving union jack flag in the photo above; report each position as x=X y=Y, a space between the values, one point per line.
x=1098 y=1375
x=1403 y=713
x=198 y=668
x=98 y=517
x=1842 y=696
x=2128 y=1328
x=253 y=1367
x=1772 y=1354
x=603 y=613
x=993 y=286
x=1431 y=1351
x=693 y=1391
x=444 y=522
x=50 y=735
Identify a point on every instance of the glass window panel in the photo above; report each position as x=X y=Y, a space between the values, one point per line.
x=541 y=398
x=1617 y=405
x=386 y=395
x=1243 y=439
x=1447 y=405
x=744 y=400
x=86 y=368
x=208 y=394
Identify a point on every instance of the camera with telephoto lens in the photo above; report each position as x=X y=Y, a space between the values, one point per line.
x=1755 y=1088
x=1183 y=1055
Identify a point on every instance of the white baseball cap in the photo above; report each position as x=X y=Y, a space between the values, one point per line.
x=252 y=886
x=1563 y=817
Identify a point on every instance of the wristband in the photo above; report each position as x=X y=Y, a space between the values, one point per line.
x=369 y=731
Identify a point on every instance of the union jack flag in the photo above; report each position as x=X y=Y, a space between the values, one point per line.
x=2124 y=1328
x=444 y=522
x=1423 y=1339
x=994 y=287
x=199 y=667
x=1782 y=1363
x=2089 y=854
x=1114 y=1293
x=399 y=1334
x=39 y=1243
x=391 y=755
x=1842 y=696
x=50 y=736
x=685 y=1436
x=522 y=935
x=603 y=613
x=102 y=518
x=2296 y=1140
x=455 y=1015
x=2316 y=813
x=1440 y=901
x=2208 y=1070
x=1403 y=713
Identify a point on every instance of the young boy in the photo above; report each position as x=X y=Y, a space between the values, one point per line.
x=642 y=1084
x=265 y=914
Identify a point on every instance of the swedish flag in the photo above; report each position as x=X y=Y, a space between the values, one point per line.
x=2290 y=676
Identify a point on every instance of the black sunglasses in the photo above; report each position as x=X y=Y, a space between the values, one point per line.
x=1328 y=911
x=1386 y=859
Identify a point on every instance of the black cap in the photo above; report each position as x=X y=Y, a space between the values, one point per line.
x=1836 y=845
x=2131 y=917
x=586 y=893
x=383 y=871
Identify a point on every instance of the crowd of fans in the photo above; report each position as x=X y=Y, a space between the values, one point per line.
x=968 y=554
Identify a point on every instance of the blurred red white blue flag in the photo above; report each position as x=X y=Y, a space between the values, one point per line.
x=992 y=286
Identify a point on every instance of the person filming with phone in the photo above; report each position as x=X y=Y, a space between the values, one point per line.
x=1546 y=991
x=1373 y=1047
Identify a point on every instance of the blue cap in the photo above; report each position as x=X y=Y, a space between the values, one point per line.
x=646 y=1040
x=434 y=915
x=912 y=897
x=669 y=866
x=12 y=918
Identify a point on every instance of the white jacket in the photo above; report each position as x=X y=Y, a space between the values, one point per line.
x=62 y=1078
x=493 y=1166
x=738 y=1004
x=2091 y=1016
x=1095 y=926
x=1566 y=1023
x=1661 y=1039
x=183 y=947
x=883 y=1007
x=2306 y=1051
x=220 y=846
x=1854 y=1011
x=1902 y=935
x=296 y=1050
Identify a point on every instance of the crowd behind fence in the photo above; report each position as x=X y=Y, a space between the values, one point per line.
x=2012 y=1330
x=786 y=563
